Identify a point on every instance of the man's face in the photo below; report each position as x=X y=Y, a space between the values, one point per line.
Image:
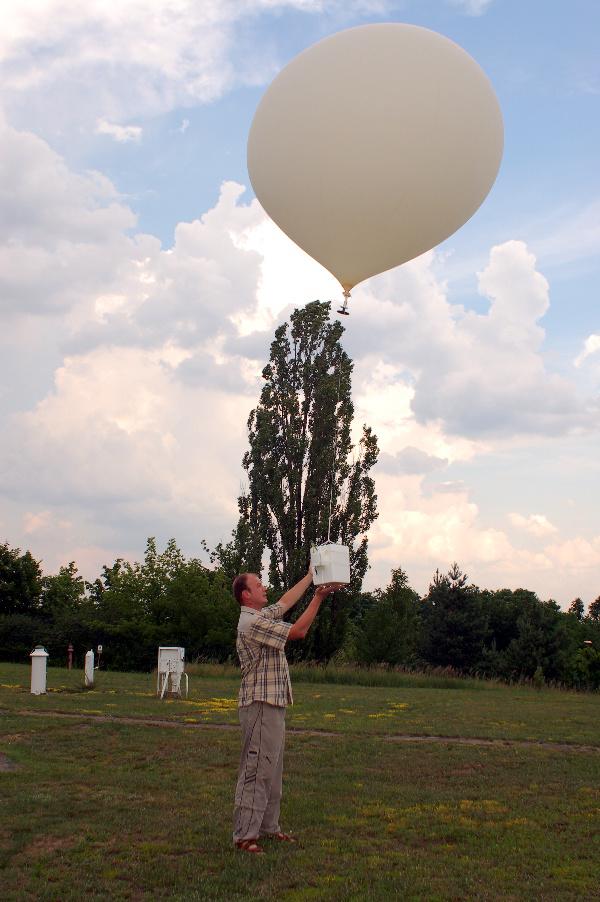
x=255 y=594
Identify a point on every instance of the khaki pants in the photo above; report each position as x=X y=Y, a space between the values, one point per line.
x=258 y=790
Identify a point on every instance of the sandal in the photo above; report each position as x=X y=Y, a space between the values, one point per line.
x=249 y=845
x=280 y=837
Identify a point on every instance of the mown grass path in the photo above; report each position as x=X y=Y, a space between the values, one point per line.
x=299 y=731
x=112 y=794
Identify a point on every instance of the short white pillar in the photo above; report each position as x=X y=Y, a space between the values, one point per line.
x=39 y=657
x=89 y=668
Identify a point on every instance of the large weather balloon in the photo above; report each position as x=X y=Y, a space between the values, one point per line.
x=374 y=145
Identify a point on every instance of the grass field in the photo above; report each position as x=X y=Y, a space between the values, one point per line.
x=128 y=797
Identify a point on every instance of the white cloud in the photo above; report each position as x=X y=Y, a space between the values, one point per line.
x=577 y=554
x=138 y=57
x=384 y=398
x=477 y=376
x=44 y=203
x=423 y=533
x=472 y=7
x=65 y=251
x=441 y=528
x=57 y=230
x=286 y=274
x=486 y=376
x=590 y=346
x=70 y=63
x=410 y=460
x=118 y=432
x=535 y=524
x=33 y=522
x=120 y=133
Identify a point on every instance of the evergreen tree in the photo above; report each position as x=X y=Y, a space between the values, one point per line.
x=594 y=610
x=390 y=627
x=585 y=668
x=577 y=608
x=455 y=622
x=543 y=642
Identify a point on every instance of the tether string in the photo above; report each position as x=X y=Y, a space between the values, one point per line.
x=333 y=455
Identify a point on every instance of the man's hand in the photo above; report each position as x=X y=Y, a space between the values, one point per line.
x=326 y=589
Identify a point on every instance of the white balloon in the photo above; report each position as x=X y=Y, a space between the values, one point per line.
x=374 y=145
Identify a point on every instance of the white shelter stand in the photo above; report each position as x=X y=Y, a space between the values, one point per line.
x=89 y=668
x=39 y=658
x=171 y=664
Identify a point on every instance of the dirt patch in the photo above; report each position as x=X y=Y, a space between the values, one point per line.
x=496 y=743
x=47 y=845
x=466 y=769
x=6 y=764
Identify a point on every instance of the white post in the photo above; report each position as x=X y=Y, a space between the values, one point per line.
x=89 y=668
x=39 y=657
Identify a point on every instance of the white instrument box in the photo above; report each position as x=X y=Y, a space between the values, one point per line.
x=330 y=564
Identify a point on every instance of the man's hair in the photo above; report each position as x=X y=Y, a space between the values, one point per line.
x=239 y=584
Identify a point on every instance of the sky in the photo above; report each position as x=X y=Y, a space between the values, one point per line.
x=141 y=283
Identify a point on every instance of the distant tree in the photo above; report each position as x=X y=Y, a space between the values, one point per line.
x=165 y=600
x=21 y=627
x=65 y=610
x=389 y=630
x=455 y=622
x=241 y=553
x=594 y=610
x=586 y=668
x=361 y=605
x=62 y=594
x=543 y=641
x=20 y=582
x=577 y=608
x=19 y=634
x=503 y=608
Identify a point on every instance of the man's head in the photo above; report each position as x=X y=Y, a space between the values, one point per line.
x=249 y=591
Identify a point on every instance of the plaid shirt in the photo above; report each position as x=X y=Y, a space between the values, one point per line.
x=261 y=639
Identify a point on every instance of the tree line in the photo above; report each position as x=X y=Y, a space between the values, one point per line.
x=131 y=609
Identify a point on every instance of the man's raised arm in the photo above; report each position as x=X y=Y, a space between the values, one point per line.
x=294 y=594
x=304 y=622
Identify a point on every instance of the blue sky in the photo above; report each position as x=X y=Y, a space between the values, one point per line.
x=140 y=288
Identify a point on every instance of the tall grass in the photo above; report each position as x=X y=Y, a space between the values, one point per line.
x=382 y=675
x=356 y=675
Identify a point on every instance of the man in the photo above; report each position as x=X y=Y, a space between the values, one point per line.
x=264 y=694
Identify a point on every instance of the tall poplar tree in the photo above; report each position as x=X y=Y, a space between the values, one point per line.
x=307 y=481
